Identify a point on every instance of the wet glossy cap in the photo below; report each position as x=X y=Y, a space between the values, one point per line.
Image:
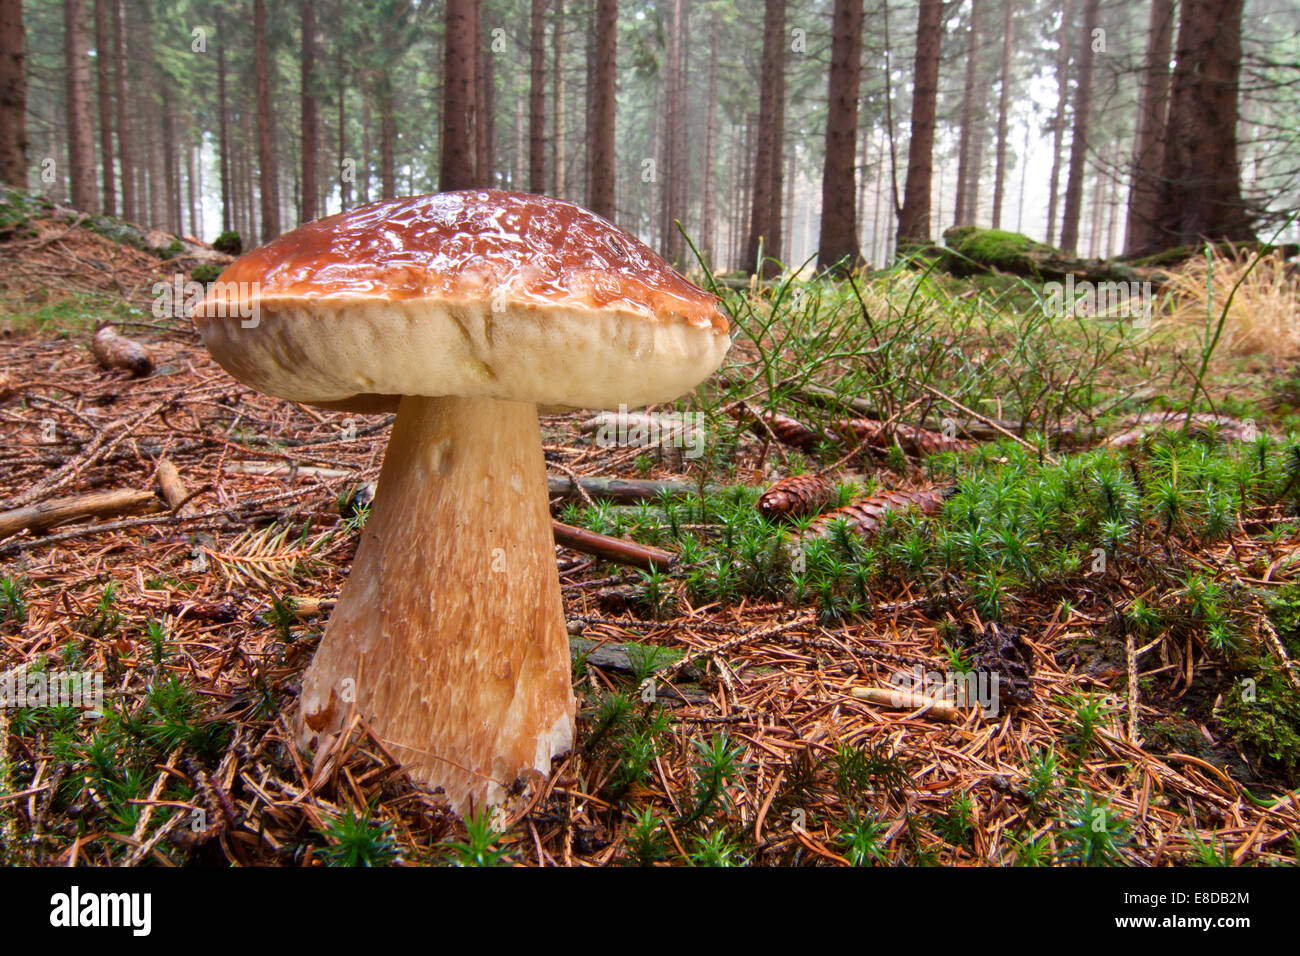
x=478 y=292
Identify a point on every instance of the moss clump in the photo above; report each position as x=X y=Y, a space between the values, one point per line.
x=229 y=243
x=206 y=273
x=117 y=231
x=1284 y=612
x=1268 y=724
x=997 y=248
x=17 y=210
x=169 y=251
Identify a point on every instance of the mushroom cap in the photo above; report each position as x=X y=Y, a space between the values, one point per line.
x=473 y=293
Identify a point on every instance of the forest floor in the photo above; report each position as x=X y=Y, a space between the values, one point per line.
x=1132 y=576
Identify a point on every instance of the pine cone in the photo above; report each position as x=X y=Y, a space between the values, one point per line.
x=795 y=496
x=913 y=440
x=788 y=431
x=866 y=515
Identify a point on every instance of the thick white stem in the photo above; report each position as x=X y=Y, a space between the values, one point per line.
x=449 y=634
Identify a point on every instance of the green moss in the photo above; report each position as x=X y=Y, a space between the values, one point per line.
x=206 y=273
x=17 y=210
x=229 y=243
x=1268 y=724
x=1011 y=251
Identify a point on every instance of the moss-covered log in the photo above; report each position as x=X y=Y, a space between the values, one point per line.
x=972 y=250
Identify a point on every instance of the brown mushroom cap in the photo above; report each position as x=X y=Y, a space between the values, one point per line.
x=473 y=293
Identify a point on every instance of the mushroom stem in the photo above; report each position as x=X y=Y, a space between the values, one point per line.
x=449 y=636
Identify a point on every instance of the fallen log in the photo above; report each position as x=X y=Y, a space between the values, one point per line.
x=99 y=504
x=972 y=250
x=115 y=351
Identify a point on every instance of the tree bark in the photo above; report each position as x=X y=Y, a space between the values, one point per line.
x=103 y=77
x=1079 y=136
x=485 y=112
x=345 y=187
x=225 y=160
x=558 y=158
x=80 y=131
x=1200 y=197
x=963 y=213
x=914 y=223
x=310 y=148
x=1058 y=122
x=709 y=231
x=999 y=175
x=1148 y=145
x=13 y=96
x=601 y=198
x=265 y=154
x=151 y=103
x=458 y=79
x=838 y=242
x=765 y=218
x=387 y=163
x=537 y=99
x=672 y=172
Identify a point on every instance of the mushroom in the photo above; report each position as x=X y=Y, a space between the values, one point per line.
x=463 y=311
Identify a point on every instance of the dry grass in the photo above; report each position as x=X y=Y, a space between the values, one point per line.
x=1264 y=318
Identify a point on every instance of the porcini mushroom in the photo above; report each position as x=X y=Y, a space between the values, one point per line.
x=464 y=311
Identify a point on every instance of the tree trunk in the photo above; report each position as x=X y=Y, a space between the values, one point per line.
x=363 y=183
x=387 y=164
x=914 y=223
x=485 y=113
x=708 y=237
x=171 y=182
x=558 y=159
x=191 y=175
x=537 y=99
x=225 y=160
x=671 y=172
x=963 y=214
x=154 y=109
x=1058 y=122
x=103 y=79
x=1148 y=144
x=270 y=192
x=838 y=242
x=765 y=218
x=13 y=96
x=999 y=176
x=458 y=77
x=80 y=131
x=517 y=169
x=1200 y=197
x=345 y=187
x=1079 y=136
x=601 y=198
x=310 y=148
